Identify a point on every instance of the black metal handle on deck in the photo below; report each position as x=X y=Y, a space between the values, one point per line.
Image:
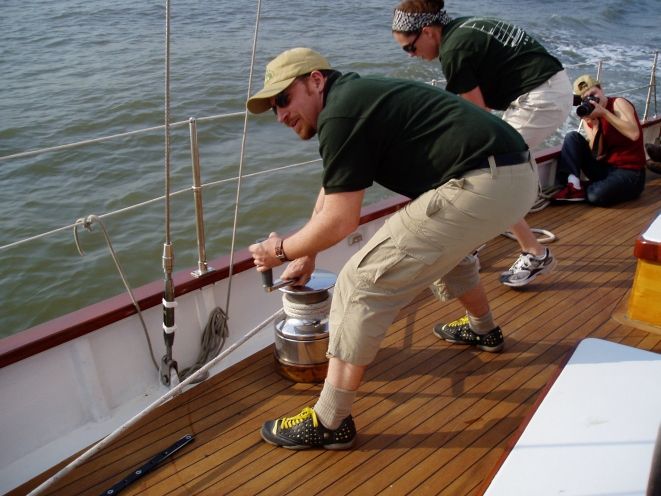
x=148 y=467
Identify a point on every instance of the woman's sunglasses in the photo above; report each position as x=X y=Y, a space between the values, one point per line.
x=410 y=47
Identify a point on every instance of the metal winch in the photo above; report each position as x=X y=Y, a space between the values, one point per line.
x=301 y=333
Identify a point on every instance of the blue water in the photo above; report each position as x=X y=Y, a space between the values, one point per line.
x=76 y=70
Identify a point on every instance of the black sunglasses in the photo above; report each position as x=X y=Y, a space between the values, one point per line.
x=282 y=99
x=410 y=47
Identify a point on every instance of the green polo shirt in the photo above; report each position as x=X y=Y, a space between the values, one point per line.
x=500 y=58
x=407 y=136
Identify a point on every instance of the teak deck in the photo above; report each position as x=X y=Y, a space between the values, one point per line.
x=432 y=418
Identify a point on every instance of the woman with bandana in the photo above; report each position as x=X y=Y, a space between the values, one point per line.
x=498 y=66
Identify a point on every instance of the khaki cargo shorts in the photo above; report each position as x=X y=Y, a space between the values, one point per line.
x=417 y=246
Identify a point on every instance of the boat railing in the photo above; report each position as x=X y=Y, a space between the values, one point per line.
x=650 y=86
x=197 y=186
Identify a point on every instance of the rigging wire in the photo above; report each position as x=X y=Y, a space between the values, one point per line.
x=168 y=364
x=113 y=136
x=541 y=202
x=157 y=199
x=241 y=158
x=215 y=332
x=87 y=223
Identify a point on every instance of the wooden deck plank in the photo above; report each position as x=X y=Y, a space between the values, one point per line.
x=433 y=418
x=189 y=412
x=498 y=378
x=226 y=487
x=374 y=396
x=343 y=482
x=553 y=354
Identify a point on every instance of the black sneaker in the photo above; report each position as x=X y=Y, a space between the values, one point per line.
x=459 y=331
x=304 y=431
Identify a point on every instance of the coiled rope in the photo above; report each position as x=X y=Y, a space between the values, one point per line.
x=305 y=311
x=215 y=332
x=213 y=339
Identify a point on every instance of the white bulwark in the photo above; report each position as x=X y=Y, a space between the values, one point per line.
x=594 y=432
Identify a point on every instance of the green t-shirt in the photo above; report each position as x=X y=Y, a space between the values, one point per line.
x=500 y=58
x=407 y=136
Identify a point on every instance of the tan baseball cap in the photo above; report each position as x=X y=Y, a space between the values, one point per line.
x=584 y=83
x=282 y=71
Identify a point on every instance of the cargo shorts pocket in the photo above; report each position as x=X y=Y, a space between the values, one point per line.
x=443 y=195
x=418 y=229
x=376 y=259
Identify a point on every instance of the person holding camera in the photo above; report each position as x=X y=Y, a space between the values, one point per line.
x=613 y=155
x=495 y=65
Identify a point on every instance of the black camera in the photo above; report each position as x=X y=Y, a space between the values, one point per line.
x=585 y=107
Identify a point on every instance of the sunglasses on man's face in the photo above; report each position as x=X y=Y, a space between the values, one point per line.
x=281 y=100
x=410 y=47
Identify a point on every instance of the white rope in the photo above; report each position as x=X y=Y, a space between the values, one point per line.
x=311 y=311
x=170 y=394
x=548 y=236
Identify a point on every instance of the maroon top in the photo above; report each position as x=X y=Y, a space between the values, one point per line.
x=620 y=151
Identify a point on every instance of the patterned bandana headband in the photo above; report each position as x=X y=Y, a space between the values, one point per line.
x=410 y=22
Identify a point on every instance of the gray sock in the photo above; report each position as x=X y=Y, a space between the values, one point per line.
x=334 y=405
x=481 y=325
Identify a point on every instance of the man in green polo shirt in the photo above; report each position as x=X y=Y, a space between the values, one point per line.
x=468 y=173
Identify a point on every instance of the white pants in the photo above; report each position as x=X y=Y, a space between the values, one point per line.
x=536 y=115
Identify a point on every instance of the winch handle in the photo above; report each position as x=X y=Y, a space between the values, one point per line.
x=267 y=279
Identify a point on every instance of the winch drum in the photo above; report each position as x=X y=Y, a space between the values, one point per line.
x=301 y=334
